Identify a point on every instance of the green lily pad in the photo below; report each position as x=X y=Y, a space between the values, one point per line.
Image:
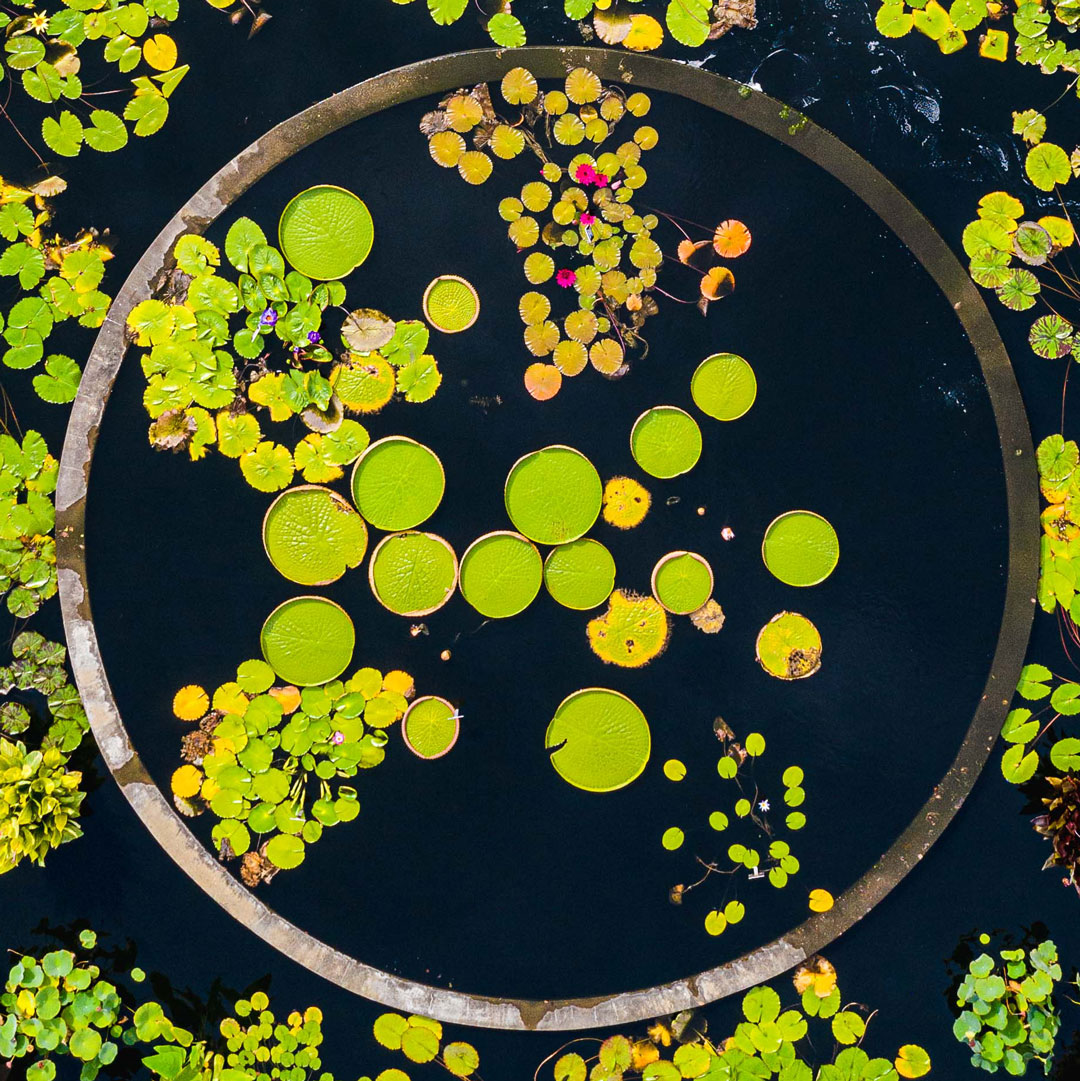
x=430 y=727
x=800 y=548
x=325 y=232
x=682 y=582
x=724 y=386
x=553 y=495
x=501 y=574
x=308 y=640
x=599 y=740
x=580 y=575
x=413 y=574
x=312 y=535
x=666 y=441
x=397 y=483
x=789 y=646
x=451 y=304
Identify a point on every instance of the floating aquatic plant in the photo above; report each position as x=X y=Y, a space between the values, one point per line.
x=599 y=740
x=308 y=640
x=398 y=483
x=430 y=727
x=312 y=535
x=580 y=575
x=789 y=646
x=420 y=1040
x=553 y=495
x=626 y=502
x=724 y=386
x=212 y=379
x=325 y=232
x=27 y=548
x=413 y=573
x=666 y=441
x=800 y=548
x=576 y=222
x=501 y=573
x=682 y=582
x=632 y=632
x=451 y=304
x=268 y=760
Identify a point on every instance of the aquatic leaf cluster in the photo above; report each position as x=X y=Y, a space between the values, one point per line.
x=1059 y=552
x=227 y=355
x=420 y=1040
x=759 y=851
x=39 y=803
x=576 y=223
x=269 y=761
x=770 y=1040
x=60 y=278
x=616 y=22
x=1008 y=1015
x=27 y=548
x=44 y=54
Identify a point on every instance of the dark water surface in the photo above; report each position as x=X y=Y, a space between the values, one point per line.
x=484 y=870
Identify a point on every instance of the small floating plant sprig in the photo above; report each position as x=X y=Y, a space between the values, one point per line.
x=577 y=223
x=228 y=355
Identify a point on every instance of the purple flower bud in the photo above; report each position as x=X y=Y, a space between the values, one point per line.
x=314 y=337
x=268 y=318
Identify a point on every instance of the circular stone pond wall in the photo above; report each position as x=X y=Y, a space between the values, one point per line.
x=995 y=581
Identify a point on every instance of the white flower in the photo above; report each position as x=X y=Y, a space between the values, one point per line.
x=763 y=806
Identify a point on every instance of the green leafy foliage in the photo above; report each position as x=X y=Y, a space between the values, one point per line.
x=419 y=1039
x=229 y=353
x=1007 y=1014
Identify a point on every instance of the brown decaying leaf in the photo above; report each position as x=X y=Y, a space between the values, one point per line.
x=611 y=26
x=709 y=618
x=727 y=14
x=687 y=249
x=366 y=330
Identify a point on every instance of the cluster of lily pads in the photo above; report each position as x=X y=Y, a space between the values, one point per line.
x=576 y=222
x=614 y=22
x=420 y=1040
x=59 y=276
x=200 y=394
x=44 y=51
x=1008 y=1017
x=765 y=1042
x=777 y=863
x=268 y=760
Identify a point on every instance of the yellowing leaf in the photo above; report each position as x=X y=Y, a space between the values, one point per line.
x=820 y=900
x=229 y=698
x=187 y=781
x=645 y=34
x=160 y=52
x=190 y=702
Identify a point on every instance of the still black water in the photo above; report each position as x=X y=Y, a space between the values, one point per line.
x=484 y=870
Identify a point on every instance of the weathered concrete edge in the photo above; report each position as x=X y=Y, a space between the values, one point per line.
x=766 y=962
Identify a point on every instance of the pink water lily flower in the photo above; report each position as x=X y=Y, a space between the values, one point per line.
x=566 y=278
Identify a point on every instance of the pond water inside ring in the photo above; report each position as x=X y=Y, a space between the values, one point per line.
x=484 y=870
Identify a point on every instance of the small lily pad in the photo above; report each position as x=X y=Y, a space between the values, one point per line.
x=326 y=232
x=397 y=483
x=580 y=575
x=430 y=727
x=413 y=574
x=553 y=495
x=682 y=582
x=724 y=386
x=599 y=740
x=308 y=640
x=800 y=548
x=312 y=535
x=789 y=646
x=451 y=304
x=501 y=574
x=666 y=441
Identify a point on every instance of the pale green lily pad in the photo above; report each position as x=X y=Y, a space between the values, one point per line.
x=800 y=548
x=553 y=495
x=501 y=574
x=682 y=582
x=413 y=574
x=724 y=386
x=789 y=646
x=326 y=232
x=313 y=536
x=397 y=483
x=580 y=575
x=308 y=641
x=666 y=441
x=451 y=304
x=430 y=727
x=603 y=740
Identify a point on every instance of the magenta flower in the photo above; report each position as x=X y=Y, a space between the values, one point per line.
x=565 y=278
x=600 y=180
x=337 y=738
x=587 y=219
x=585 y=173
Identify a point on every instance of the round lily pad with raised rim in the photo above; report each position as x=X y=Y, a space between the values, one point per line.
x=789 y=646
x=413 y=574
x=430 y=727
x=451 y=304
x=599 y=740
x=308 y=641
x=800 y=548
x=724 y=386
x=501 y=574
x=553 y=495
x=313 y=536
x=580 y=575
x=326 y=232
x=682 y=582
x=666 y=441
x=397 y=483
